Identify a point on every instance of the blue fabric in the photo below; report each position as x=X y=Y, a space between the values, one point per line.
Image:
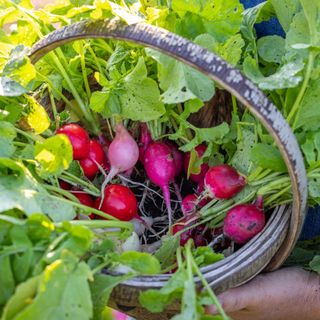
x=265 y=28
x=311 y=227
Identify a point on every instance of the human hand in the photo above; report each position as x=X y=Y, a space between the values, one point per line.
x=285 y=294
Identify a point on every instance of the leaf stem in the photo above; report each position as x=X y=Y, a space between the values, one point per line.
x=301 y=93
x=209 y=290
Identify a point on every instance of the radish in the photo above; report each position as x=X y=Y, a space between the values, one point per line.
x=243 y=222
x=223 y=182
x=65 y=185
x=197 y=178
x=201 y=235
x=144 y=141
x=191 y=202
x=184 y=236
x=79 y=139
x=177 y=156
x=160 y=168
x=123 y=154
x=118 y=201
x=85 y=199
x=96 y=157
x=178 y=160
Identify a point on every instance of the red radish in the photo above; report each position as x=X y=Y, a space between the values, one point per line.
x=65 y=185
x=96 y=156
x=184 y=236
x=123 y=153
x=197 y=178
x=243 y=222
x=79 y=139
x=259 y=202
x=118 y=201
x=160 y=168
x=144 y=141
x=190 y=203
x=201 y=236
x=223 y=182
x=84 y=198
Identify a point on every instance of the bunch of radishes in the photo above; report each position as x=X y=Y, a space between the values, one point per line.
x=163 y=164
x=221 y=182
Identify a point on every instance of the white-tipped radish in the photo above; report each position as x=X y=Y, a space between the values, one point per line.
x=123 y=154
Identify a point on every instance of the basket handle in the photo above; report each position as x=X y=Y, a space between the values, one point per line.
x=221 y=72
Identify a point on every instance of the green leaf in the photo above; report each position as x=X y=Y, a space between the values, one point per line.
x=166 y=254
x=7 y=282
x=21 y=298
x=18 y=67
x=285 y=10
x=312 y=13
x=230 y=50
x=7 y=135
x=10 y=88
x=54 y=154
x=219 y=18
x=311 y=148
x=54 y=207
x=180 y=82
x=268 y=157
x=309 y=109
x=141 y=262
x=288 y=75
x=140 y=96
x=191 y=106
x=17 y=188
x=214 y=134
x=271 y=48
x=62 y=293
x=157 y=300
x=205 y=256
x=101 y=289
x=298 y=36
x=189 y=302
x=315 y=264
x=37 y=117
x=79 y=241
x=22 y=263
x=241 y=159
x=99 y=100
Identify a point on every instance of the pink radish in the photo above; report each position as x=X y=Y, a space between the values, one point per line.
x=197 y=178
x=191 y=202
x=178 y=160
x=123 y=154
x=144 y=141
x=243 y=222
x=223 y=182
x=177 y=156
x=160 y=168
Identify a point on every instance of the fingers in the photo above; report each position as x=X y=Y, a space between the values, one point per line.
x=233 y=300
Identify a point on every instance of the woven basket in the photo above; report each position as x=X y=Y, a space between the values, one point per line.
x=269 y=249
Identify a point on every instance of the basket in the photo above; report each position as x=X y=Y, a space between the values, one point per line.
x=269 y=249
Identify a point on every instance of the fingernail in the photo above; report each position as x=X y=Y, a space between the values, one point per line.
x=212 y=309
